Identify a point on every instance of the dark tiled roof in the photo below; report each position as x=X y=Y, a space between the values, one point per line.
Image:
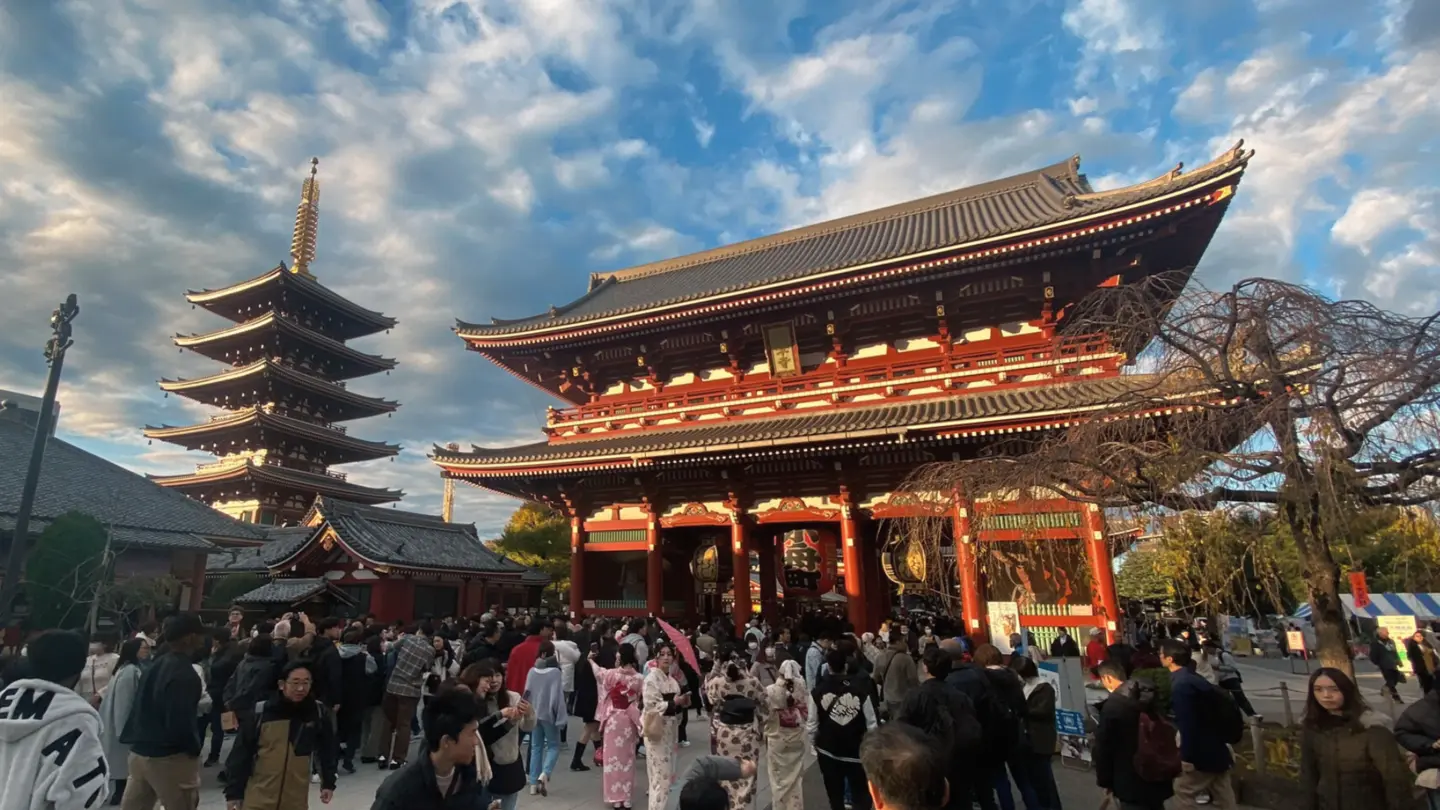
x=254 y=421
x=279 y=477
x=410 y=539
x=140 y=512
x=841 y=422
x=283 y=543
x=359 y=404
x=1048 y=196
x=311 y=288
x=284 y=592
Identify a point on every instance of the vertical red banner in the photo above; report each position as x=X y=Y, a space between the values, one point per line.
x=1359 y=589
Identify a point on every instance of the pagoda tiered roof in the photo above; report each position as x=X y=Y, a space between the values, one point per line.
x=238 y=474
x=284 y=389
x=267 y=335
x=255 y=428
x=240 y=302
x=267 y=380
x=1033 y=211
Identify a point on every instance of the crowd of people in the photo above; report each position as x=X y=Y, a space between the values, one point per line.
x=492 y=699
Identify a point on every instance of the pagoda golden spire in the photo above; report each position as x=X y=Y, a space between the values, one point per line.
x=307 y=223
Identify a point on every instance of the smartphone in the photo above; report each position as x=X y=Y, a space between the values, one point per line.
x=594 y=648
x=526 y=696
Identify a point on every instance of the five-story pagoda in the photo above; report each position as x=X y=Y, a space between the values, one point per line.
x=284 y=392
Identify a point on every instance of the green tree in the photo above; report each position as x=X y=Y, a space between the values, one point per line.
x=539 y=537
x=1140 y=576
x=67 y=571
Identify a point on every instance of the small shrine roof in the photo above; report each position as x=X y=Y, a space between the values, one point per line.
x=138 y=512
x=288 y=592
x=977 y=410
x=283 y=543
x=393 y=537
x=1034 y=200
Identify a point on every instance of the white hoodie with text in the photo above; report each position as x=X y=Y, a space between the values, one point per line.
x=50 y=753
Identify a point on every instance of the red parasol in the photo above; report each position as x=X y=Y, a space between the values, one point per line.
x=687 y=651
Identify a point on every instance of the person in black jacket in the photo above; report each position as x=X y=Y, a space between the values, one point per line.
x=946 y=714
x=164 y=748
x=484 y=645
x=446 y=778
x=224 y=659
x=842 y=711
x=1117 y=737
x=325 y=662
x=356 y=667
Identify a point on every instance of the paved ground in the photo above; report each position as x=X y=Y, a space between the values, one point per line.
x=581 y=791
x=1264 y=677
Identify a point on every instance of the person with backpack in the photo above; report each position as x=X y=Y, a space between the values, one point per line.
x=1209 y=722
x=1009 y=693
x=1227 y=674
x=269 y=765
x=945 y=714
x=841 y=711
x=999 y=725
x=1135 y=753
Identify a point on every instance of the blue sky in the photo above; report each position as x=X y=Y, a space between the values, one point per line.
x=479 y=158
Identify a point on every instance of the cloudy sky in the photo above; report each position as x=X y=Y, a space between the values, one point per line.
x=480 y=157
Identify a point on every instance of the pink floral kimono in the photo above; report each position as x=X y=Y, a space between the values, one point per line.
x=619 y=717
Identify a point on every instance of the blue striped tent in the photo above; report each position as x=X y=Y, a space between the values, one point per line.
x=1420 y=605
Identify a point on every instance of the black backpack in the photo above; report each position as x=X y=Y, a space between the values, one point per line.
x=1003 y=727
x=1225 y=716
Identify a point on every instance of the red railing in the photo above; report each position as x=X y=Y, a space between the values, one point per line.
x=871 y=371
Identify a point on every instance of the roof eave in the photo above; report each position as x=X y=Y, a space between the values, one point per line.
x=481 y=337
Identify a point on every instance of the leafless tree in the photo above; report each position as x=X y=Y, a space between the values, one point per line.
x=1267 y=394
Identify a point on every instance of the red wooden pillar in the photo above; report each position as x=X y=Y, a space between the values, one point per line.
x=740 y=564
x=854 y=568
x=769 y=604
x=972 y=607
x=577 y=568
x=880 y=596
x=654 y=569
x=1101 y=571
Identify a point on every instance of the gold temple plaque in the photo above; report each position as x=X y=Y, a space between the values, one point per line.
x=780 y=349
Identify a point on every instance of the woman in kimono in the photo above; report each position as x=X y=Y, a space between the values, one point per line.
x=739 y=709
x=785 y=735
x=664 y=697
x=619 y=716
x=115 y=707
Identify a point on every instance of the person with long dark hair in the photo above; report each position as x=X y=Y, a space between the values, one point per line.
x=504 y=716
x=587 y=704
x=115 y=706
x=664 y=700
x=1348 y=759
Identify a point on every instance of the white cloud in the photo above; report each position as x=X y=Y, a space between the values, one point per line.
x=1375 y=211
x=1124 y=37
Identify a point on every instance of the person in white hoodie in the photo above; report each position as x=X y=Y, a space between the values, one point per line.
x=50 y=752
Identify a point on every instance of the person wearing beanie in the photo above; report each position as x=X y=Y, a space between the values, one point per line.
x=50 y=751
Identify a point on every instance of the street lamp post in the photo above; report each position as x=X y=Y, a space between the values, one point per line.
x=55 y=356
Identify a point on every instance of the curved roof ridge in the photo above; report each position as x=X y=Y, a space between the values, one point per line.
x=1234 y=155
x=1065 y=168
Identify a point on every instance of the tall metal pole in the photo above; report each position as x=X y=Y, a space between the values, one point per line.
x=19 y=544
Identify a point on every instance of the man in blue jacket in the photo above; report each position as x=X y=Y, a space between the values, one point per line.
x=1204 y=755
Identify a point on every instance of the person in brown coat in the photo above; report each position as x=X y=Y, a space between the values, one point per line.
x=1346 y=761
